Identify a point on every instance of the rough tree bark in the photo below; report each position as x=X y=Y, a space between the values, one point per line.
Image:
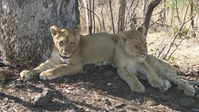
x=121 y=15
x=90 y=17
x=144 y=8
x=112 y=20
x=24 y=28
x=149 y=12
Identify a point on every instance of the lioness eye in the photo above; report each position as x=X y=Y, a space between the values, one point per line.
x=136 y=46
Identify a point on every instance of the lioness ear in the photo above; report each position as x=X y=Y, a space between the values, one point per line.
x=141 y=29
x=54 y=30
x=123 y=36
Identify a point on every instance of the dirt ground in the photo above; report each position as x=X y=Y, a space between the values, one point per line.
x=101 y=89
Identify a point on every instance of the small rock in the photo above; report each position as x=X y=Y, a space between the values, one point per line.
x=88 y=67
x=43 y=98
x=185 y=103
x=109 y=84
x=164 y=98
x=119 y=104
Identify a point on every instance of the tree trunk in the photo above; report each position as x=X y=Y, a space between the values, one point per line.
x=24 y=29
x=144 y=8
x=112 y=20
x=121 y=15
x=191 y=13
x=85 y=4
x=177 y=13
x=149 y=12
x=90 y=18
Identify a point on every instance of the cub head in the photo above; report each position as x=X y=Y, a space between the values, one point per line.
x=66 y=40
x=134 y=42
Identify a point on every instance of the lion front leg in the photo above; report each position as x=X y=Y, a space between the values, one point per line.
x=42 y=67
x=152 y=76
x=61 y=70
x=131 y=80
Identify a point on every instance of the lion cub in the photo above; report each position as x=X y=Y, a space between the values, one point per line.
x=72 y=51
x=132 y=61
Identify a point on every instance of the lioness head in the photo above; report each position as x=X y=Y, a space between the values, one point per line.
x=134 y=42
x=66 y=40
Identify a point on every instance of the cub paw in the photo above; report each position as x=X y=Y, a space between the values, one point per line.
x=155 y=82
x=166 y=86
x=188 y=89
x=138 y=88
x=47 y=75
x=27 y=72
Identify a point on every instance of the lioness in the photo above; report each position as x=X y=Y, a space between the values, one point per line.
x=72 y=51
x=132 y=60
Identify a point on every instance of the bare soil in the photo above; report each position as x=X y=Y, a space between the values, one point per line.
x=100 y=89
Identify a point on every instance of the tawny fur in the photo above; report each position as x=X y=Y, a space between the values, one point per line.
x=72 y=51
x=134 y=63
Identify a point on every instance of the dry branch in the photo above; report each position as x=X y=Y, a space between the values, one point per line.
x=176 y=34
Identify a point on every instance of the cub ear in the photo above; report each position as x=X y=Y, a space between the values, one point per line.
x=54 y=30
x=133 y=27
x=141 y=29
x=123 y=36
x=77 y=30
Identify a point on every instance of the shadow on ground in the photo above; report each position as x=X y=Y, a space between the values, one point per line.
x=97 y=89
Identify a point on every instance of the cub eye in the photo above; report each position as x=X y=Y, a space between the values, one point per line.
x=136 y=46
x=61 y=43
x=71 y=43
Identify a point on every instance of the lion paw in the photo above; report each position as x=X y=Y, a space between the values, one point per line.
x=155 y=82
x=26 y=73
